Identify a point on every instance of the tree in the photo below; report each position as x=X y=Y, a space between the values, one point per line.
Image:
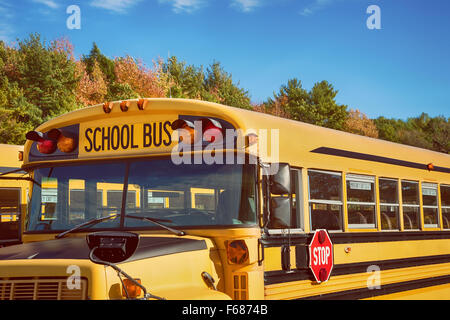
x=106 y=65
x=439 y=128
x=142 y=80
x=422 y=131
x=318 y=106
x=277 y=108
x=215 y=85
x=183 y=81
x=92 y=89
x=292 y=99
x=17 y=115
x=219 y=84
x=324 y=109
x=38 y=82
x=388 y=129
x=358 y=123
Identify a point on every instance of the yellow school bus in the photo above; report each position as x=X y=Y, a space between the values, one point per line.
x=13 y=194
x=213 y=202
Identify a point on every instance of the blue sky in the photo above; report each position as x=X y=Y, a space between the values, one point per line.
x=397 y=71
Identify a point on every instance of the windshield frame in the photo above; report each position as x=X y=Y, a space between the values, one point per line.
x=150 y=227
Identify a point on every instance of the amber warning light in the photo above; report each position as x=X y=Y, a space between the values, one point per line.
x=210 y=130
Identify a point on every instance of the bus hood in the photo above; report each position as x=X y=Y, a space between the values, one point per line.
x=168 y=266
x=77 y=248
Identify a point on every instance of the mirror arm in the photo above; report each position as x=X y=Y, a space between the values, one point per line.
x=126 y=275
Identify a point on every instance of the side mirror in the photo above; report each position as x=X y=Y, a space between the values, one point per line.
x=280 y=213
x=111 y=246
x=280 y=182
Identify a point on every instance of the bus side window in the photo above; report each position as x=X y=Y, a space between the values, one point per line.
x=361 y=201
x=445 y=206
x=389 y=206
x=9 y=213
x=430 y=205
x=325 y=199
x=411 y=205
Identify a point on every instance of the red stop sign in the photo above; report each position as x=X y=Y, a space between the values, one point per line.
x=321 y=255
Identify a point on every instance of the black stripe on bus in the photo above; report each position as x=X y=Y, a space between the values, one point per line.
x=356 y=237
x=370 y=157
x=383 y=290
x=281 y=276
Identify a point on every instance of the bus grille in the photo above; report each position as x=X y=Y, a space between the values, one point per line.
x=41 y=289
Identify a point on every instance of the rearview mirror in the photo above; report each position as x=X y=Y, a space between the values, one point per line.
x=112 y=246
x=280 y=213
x=280 y=182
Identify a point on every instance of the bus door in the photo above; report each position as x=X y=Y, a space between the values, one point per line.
x=10 y=216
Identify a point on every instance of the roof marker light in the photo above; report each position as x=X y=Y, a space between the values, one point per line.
x=140 y=104
x=124 y=106
x=107 y=107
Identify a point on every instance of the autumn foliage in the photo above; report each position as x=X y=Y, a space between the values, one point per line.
x=144 y=81
x=40 y=80
x=357 y=122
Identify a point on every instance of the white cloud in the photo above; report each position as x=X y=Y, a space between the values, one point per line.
x=246 y=5
x=49 y=3
x=315 y=6
x=117 y=6
x=180 y=6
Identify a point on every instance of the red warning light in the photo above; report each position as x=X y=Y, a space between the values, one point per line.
x=45 y=146
x=212 y=130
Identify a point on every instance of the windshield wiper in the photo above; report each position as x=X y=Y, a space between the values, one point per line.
x=85 y=224
x=98 y=220
x=155 y=221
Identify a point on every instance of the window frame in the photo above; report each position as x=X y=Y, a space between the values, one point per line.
x=330 y=202
x=442 y=207
x=362 y=178
x=435 y=186
x=408 y=205
x=387 y=204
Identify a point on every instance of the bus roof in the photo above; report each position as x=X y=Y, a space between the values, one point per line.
x=10 y=157
x=293 y=135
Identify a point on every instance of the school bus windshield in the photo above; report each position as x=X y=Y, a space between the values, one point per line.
x=183 y=195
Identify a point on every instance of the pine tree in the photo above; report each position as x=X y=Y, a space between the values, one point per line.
x=38 y=82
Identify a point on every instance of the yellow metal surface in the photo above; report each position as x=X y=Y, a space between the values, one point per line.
x=305 y=288
x=377 y=251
